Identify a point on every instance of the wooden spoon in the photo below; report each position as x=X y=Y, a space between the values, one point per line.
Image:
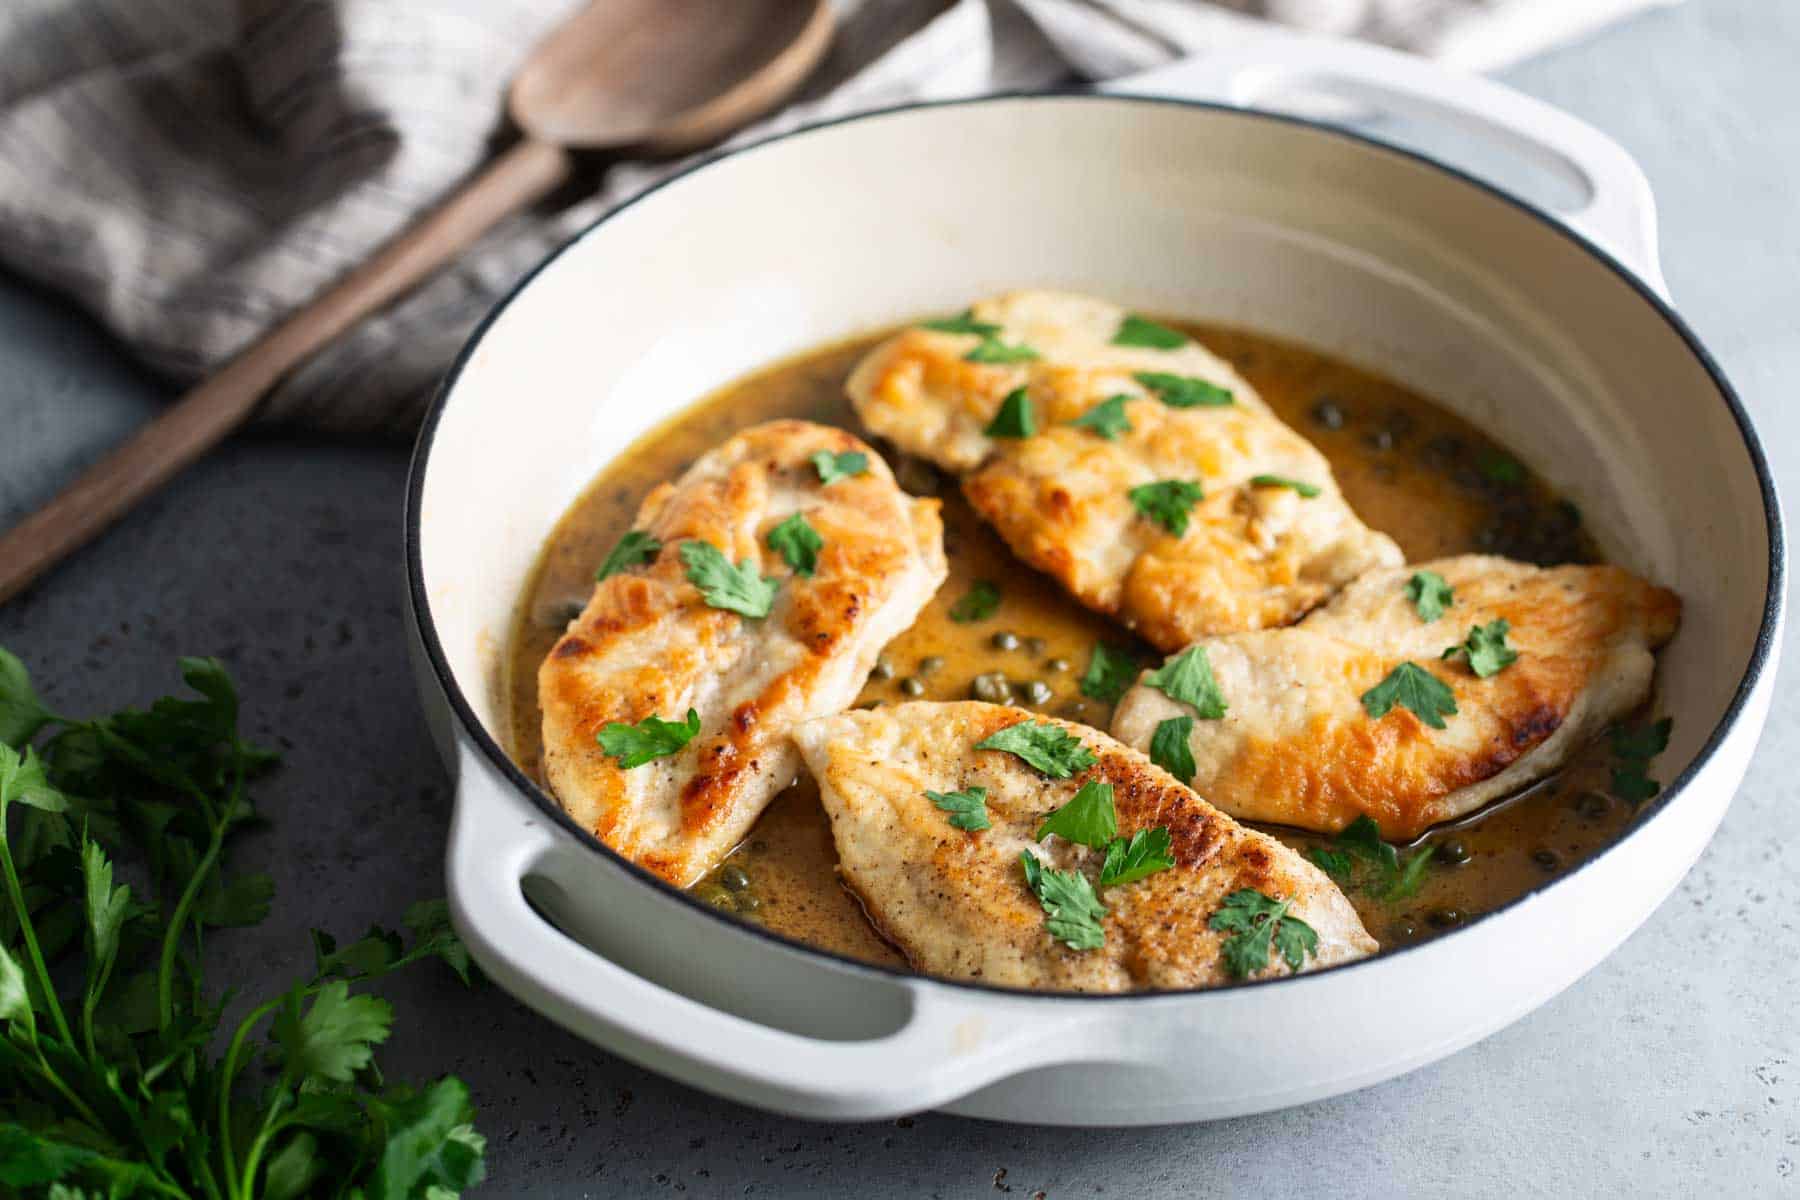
x=660 y=75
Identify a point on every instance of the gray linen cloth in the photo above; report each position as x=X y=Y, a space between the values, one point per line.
x=192 y=170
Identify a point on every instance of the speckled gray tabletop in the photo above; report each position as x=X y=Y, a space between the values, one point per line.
x=1671 y=1070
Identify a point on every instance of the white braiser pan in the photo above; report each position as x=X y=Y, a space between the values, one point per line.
x=1549 y=331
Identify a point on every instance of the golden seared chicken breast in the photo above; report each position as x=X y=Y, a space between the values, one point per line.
x=1416 y=696
x=992 y=844
x=1124 y=460
x=750 y=595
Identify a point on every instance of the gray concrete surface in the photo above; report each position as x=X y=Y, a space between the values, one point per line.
x=1672 y=1070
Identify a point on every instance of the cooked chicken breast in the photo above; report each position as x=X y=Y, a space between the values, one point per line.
x=1261 y=536
x=957 y=901
x=1297 y=746
x=650 y=645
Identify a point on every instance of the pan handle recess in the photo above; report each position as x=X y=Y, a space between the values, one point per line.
x=924 y=1045
x=1617 y=210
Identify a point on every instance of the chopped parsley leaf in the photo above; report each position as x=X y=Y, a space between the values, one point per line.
x=993 y=350
x=1362 y=837
x=980 y=602
x=634 y=549
x=1630 y=782
x=1144 y=854
x=966 y=323
x=1109 y=673
x=833 y=467
x=1049 y=748
x=1188 y=678
x=736 y=589
x=1256 y=923
x=1430 y=594
x=798 y=543
x=1138 y=331
x=651 y=738
x=1167 y=502
x=967 y=809
x=1486 y=649
x=1644 y=742
x=1335 y=863
x=1501 y=468
x=1106 y=418
x=1308 y=491
x=1169 y=748
x=1184 y=391
x=1072 y=912
x=1407 y=880
x=1014 y=418
x=1088 y=820
x=1411 y=686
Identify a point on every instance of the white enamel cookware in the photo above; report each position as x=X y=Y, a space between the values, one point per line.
x=1549 y=331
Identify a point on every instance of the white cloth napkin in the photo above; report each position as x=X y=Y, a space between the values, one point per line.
x=192 y=170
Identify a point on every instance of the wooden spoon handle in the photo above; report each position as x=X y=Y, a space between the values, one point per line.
x=202 y=418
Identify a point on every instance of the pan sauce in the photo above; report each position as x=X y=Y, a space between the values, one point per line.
x=1427 y=478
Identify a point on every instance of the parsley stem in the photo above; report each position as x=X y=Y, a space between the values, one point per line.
x=165 y=971
x=228 y=1076
x=31 y=943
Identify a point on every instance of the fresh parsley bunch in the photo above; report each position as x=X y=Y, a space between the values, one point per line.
x=117 y=1077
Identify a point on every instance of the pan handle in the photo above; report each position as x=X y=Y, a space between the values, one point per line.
x=1617 y=211
x=935 y=1045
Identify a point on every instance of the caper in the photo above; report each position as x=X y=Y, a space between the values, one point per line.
x=718 y=898
x=1328 y=413
x=1593 y=805
x=748 y=904
x=991 y=687
x=1446 y=918
x=1057 y=664
x=758 y=846
x=1405 y=929
x=1453 y=853
x=883 y=669
x=1549 y=860
x=930 y=663
x=917 y=476
x=734 y=878
x=1399 y=422
x=1004 y=640
x=1035 y=691
x=1075 y=710
x=912 y=687
x=559 y=615
x=1035 y=645
x=1380 y=440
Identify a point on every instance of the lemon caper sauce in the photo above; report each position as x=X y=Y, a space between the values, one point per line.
x=996 y=631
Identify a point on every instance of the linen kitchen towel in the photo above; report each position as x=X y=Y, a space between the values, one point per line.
x=191 y=171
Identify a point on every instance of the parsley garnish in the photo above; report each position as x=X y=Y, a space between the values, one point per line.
x=833 y=467
x=1088 y=820
x=1014 y=418
x=1362 y=839
x=1188 y=678
x=1634 y=748
x=993 y=350
x=1184 y=391
x=650 y=739
x=1308 y=491
x=980 y=602
x=635 y=548
x=1167 y=502
x=1049 y=748
x=1106 y=418
x=1072 y=912
x=798 y=543
x=1137 y=331
x=1169 y=748
x=966 y=323
x=1109 y=673
x=1486 y=649
x=111 y=1077
x=1413 y=687
x=967 y=809
x=1256 y=923
x=737 y=589
x=1500 y=468
x=1430 y=594
x=1146 y=853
